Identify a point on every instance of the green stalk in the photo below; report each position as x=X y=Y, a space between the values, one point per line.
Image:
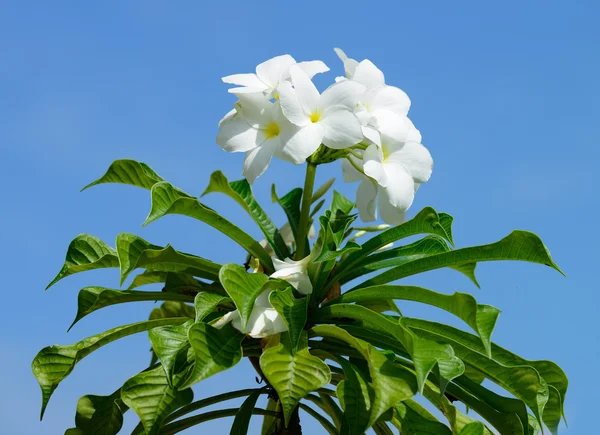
x=303 y=249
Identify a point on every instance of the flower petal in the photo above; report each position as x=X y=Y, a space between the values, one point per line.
x=390 y=98
x=394 y=128
x=229 y=317
x=400 y=191
x=371 y=134
x=255 y=109
x=290 y=105
x=313 y=67
x=258 y=159
x=245 y=80
x=373 y=165
x=414 y=135
x=345 y=93
x=366 y=194
x=350 y=173
x=270 y=71
x=368 y=74
x=414 y=157
x=341 y=128
x=388 y=212
x=299 y=143
x=236 y=135
x=307 y=93
x=349 y=64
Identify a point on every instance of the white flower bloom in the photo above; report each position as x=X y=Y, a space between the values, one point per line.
x=393 y=172
x=323 y=118
x=270 y=74
x=258 y=127
x=288 y=237
x=364 y=72
x=294 y=272
x=264 y=319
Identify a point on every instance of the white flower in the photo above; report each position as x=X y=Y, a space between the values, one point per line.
x=393 y=172
x=326 y=118
x=264 y=319
x=257 y=126
x=364 y=72
x=294 y=272
x=288 y=237
x=270 y=74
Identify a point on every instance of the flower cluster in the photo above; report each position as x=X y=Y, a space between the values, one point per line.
x=281 y=113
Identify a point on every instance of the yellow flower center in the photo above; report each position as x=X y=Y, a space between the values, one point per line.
x=272 y=130
x=315 y=117
x=276 y=96
x=385 y=151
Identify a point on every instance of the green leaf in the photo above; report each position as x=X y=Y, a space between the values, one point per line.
x=172 y=309
x=356 y=398
x=181 y=425
x=330 y=428
x=427 y=221
x=242 y=418
x=205 y=303
x=130 y=172
x=91 y=299
x=411 y=421
x=86 y=252
x=135 y=252
x=152 y=398
x=54 y=363
x=394 y=257
x=100 y=415
x=318 y=194
x=516 y=375
x=293 y=311
x=269 y=421
x=391 y=383
x=317 y=207
x=446 y=221
x=425 y=353
x=333 y=228
x=147 y=277
x=293 y=375
x=170 y=344
x=290 y=203
x=474 y=428
x=215 y=350
x=482 y=318
x=340 y=205
x=241 y=192
x=166 y=200
x=242 y=287
x=518 y=245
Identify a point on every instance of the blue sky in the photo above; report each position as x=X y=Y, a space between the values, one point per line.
x=504 y=93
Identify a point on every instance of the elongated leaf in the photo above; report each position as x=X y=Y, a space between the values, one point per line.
x=54 y=363
x=215 y=350
x=482 y=318
x=293 y=375
x=205 y=303
x=391 y=383
x=86 y=252
x=152 y=398
x=269 y=421
x=183 y=424
x=321 y=191
x=412 y=422
x=427 y=221
x=166 y=200
x=330 y=428
x=290 y=203
x=242 y=287
x=130 y=172
x=394 y=257
x=340 y=205
x=425 y=353
x=171 y=309
x=474 y=428
x=242 y=418
x=518 y=245
x=100 y=415
x=333 y=229
x=91 y=299
x=356 y=397
x=446 y=221
x=328 y=405
x=135 y=252
x=293 y=311
x=147 y=277
x=170 y=344
x=524 y=381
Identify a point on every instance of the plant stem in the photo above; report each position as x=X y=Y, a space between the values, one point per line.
x=309 y=183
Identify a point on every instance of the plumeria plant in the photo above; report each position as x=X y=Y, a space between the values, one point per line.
x=313 y=310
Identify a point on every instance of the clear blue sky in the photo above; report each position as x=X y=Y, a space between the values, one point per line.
x=505 y=94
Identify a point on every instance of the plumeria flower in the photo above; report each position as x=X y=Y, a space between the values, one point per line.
x=264 y=319
x=270 y=74
x=257 y=126
x=294 y=272
x=391 y=174
x=288 y=237
x=323 y=118
x=364 y=72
